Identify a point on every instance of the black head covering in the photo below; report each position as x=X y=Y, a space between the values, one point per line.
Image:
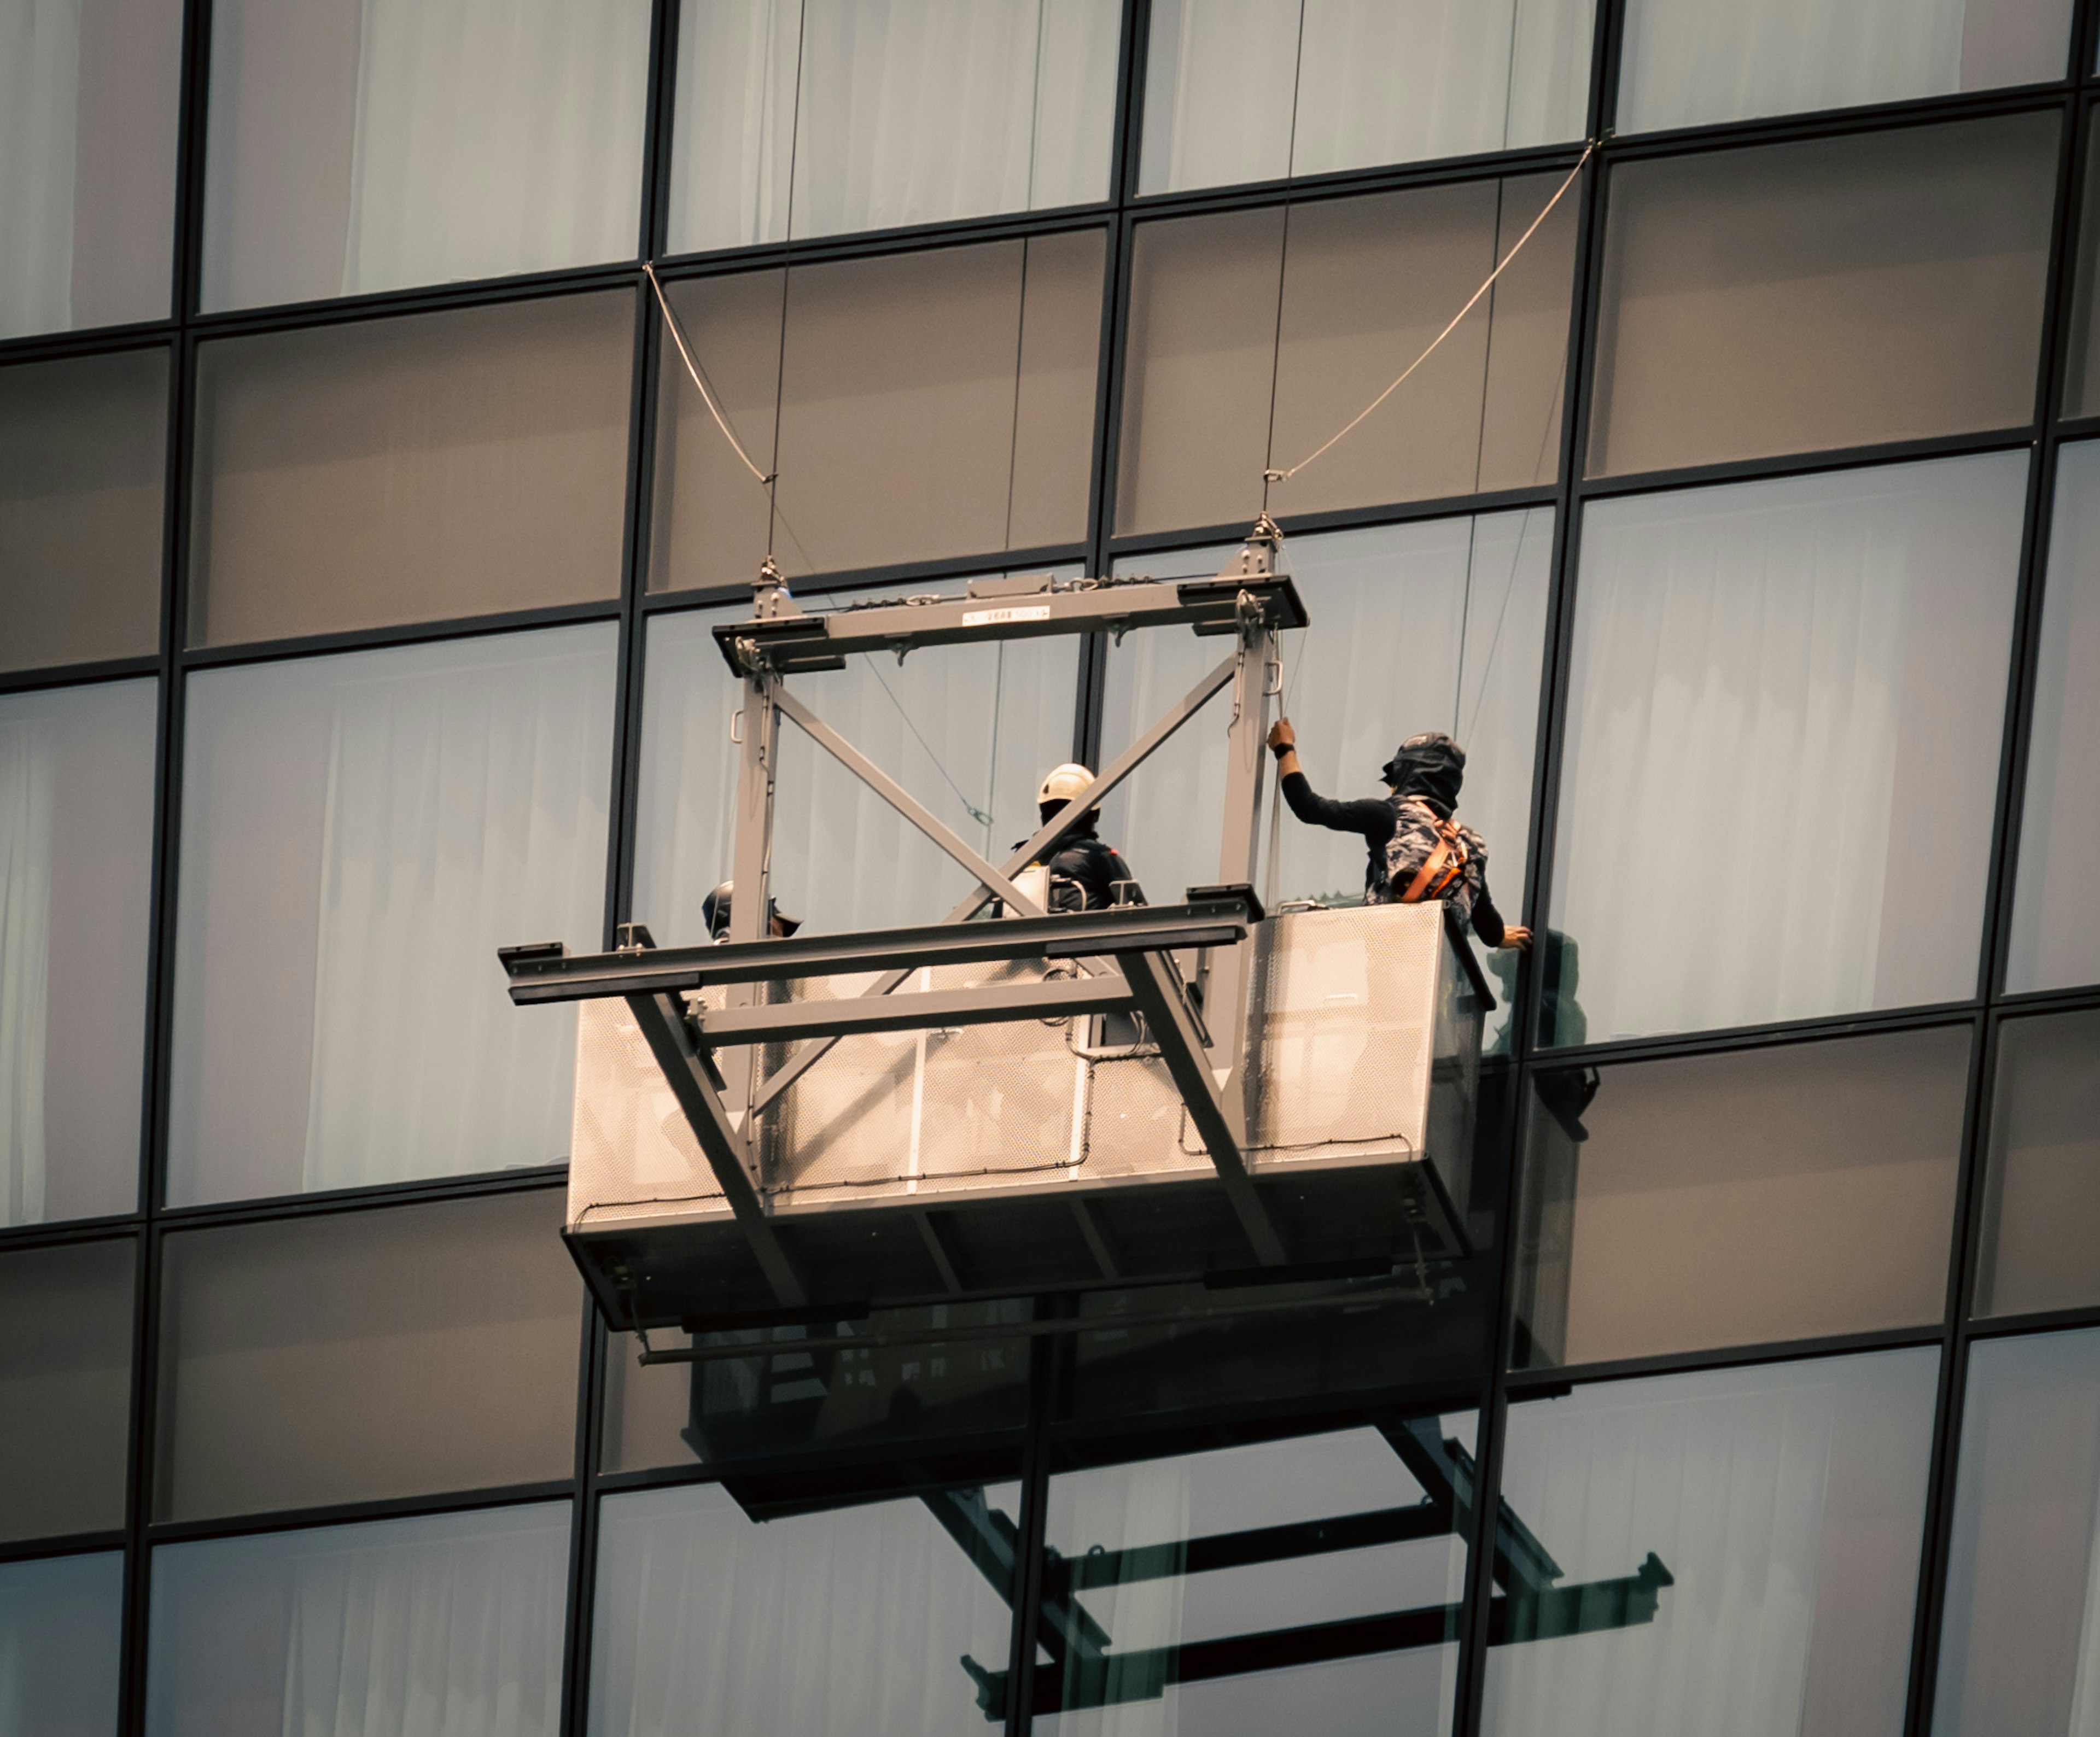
x=1430 y=765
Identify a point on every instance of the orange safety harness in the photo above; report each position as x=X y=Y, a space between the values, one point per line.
x=1446 y=865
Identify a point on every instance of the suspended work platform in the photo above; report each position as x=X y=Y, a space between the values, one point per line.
x=1012 y=1101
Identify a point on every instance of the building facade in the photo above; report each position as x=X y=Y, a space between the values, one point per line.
x=361 y=529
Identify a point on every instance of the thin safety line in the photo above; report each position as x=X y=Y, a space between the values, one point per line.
x=975 y=812
x=1285 y=476
x=700 y=380
x=1282 y=267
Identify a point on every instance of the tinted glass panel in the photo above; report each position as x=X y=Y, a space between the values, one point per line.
x=2055 y=939
x=1739 y=1198
x=357 y=145
x=66 y=1362
x=451 y=464
x=365 y=1355
x=2020 y=1649
x=969 y=730
x=1838 y=293
x=89 y=95
x=1304 y=1585
x=449 y=1624
x=2081 y=384
x=83 y=448
x=927 y=405
x=2041 y=1207
x=61 y=1627
x=1743 y=1540
x=1366 y=285
x=1459 y=604
x=1377 y=82
x=1782 y=747
x=76 y=886
x=726 y=1611
x=1686 y=63
x=808 y=117
x=360 y=834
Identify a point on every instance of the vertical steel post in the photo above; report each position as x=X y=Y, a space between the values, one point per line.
x=753 y=860
x=1225 y=1008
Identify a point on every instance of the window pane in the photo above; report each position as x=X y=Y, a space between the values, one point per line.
x=61 y=1627
x=721 y=1614
x=969 y=730
x=1740 y=1198
x=936 y=404
x=1783 y=739
x=1459 y=604
x=2020 y=1649
x=1838 y=292
x=1306 y=1584
x=83 y=456
x=65 y=1361
x=1769 y=1518
x=2041 y=1211
x=450 y=463
x=813 y=119
x=1687 y=62
x=1377 y=82
x=449 y=1624
x=2081 y=384
x=366 y=145
x=1366 y=285
x=76 y=889
x=88 y=103
x=360 y=833
x=2055 y=939
x=360 y=1355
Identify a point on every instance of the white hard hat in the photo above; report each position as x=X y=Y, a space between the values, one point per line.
x=1065 y=783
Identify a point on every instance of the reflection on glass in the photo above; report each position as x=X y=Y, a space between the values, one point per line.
x=1305 y=1584
x=969 y=730
x=1736 y=1549
x=1782 y=739
x=813 y=117
x=386 y=142
x=1224 y=380
x=2020 y=1649
x=61 y=1657
x=65 y=1389
x=724 y=1611
x=2041 y=1203
x=1690 y=62
x=89 y=97
x=1740 y=1198
x=914 y=407
x=357 y=1357
x=76 y=887
x=672 y=1414
x=1377 y=82
x=1828 y=292
x=1438 y=625
x=360 y=833
x=449 y=1624
x=2055 y=940
x=83 y=454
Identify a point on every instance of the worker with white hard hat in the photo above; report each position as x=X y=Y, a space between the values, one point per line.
x=1084 y=873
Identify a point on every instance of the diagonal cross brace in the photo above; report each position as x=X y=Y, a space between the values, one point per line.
x=686 y=1071
x=1052 y=829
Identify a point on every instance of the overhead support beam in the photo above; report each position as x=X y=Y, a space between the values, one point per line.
x=689 y=1075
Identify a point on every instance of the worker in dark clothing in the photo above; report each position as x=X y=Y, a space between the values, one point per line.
x=1084 y=873
x=1417 y=851
x=715 y=913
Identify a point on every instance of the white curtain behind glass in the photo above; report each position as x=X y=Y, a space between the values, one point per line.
x=1255 y=90
x=1788 y=1504
x=39 y=92
x=1431 y=626
x=27 y=773
x=845 y=1624
x=1688 y=62
x=1782 y=740
x=803 y=117
x=2055 y=929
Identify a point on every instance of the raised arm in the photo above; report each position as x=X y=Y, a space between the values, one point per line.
x=1368 y=818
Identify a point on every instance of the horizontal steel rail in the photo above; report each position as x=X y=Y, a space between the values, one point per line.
x=988 y=1004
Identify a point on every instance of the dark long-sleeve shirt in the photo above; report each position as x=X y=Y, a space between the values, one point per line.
x=1374 y=819
x=1091 y=867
